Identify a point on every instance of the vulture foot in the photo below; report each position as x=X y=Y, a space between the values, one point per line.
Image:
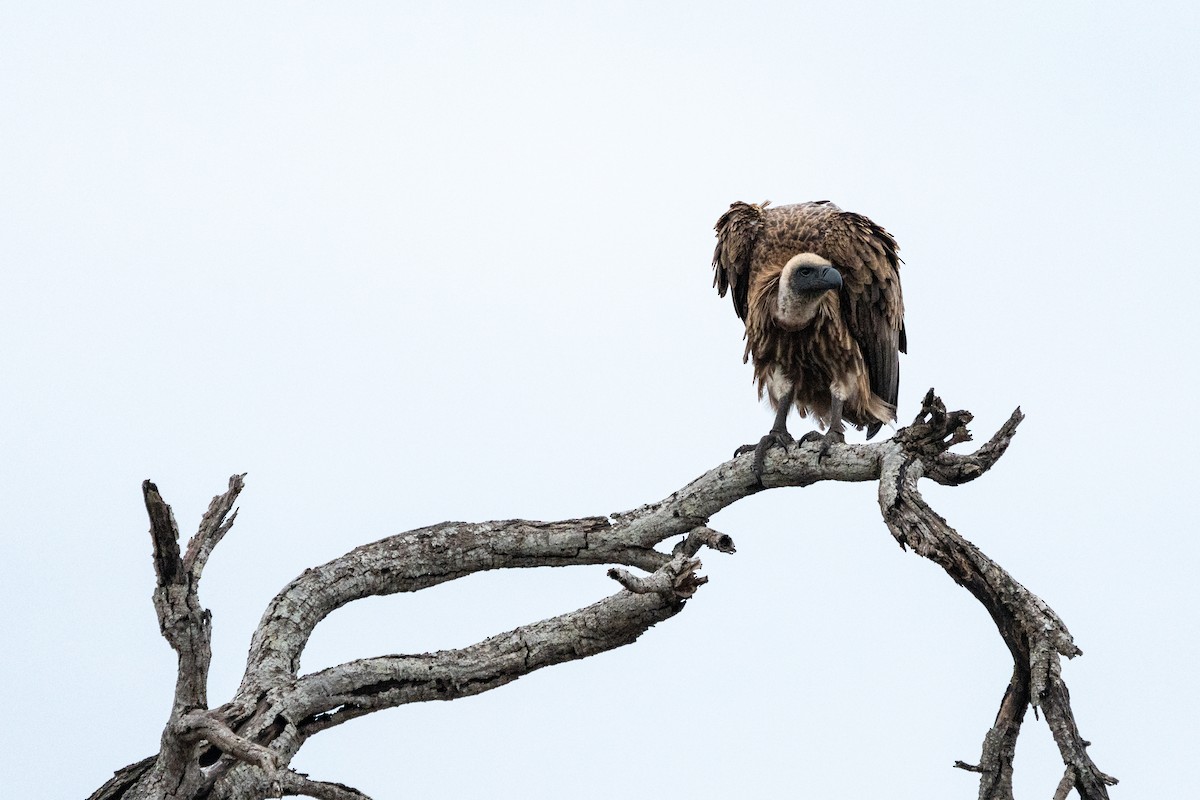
x=826 y=439
x=773 y=439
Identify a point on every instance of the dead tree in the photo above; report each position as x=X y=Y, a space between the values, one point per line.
x=243 y=748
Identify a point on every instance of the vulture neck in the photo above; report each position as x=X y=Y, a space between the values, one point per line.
x=800 y=310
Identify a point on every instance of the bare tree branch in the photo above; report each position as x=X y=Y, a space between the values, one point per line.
x=705 y=536
x=1035 y=635
x=185 y=624
x=243 y=748
x=1000 y=744
x=417 y=560
x=213 y=527
x=164 y=535
x=675 y=579
x=1056 y=705
x=296 y=783
x=935 y=430
x=1065 y=785
x=333 y=696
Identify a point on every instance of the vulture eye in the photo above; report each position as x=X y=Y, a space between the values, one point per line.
x=806 y=271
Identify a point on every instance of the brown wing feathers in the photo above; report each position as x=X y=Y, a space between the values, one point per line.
x=875 y=311
x=737 y=230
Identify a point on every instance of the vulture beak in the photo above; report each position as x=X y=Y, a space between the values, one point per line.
x=830 y=278
x=806 y=279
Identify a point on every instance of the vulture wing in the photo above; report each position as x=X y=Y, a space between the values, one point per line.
x=871 y=302
x=737 y=230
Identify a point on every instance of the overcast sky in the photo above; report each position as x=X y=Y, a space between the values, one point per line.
x=405 y=263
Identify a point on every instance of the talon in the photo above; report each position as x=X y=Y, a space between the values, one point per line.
x=773 y=439
x=828 y=439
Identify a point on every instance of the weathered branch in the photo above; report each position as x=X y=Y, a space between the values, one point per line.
x=243 y=748
x=418 y=560
x=677 y=579
x=333 y=696
x=213 y=527
x=164 y=535
x=185 y=624
x=935 y=430
x=1000 y=743
x=1065 y=785
x=1035 y=635
x=705 y=536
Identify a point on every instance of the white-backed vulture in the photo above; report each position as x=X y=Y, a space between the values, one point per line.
x=819 y=291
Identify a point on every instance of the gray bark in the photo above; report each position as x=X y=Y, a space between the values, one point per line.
x=243 y=749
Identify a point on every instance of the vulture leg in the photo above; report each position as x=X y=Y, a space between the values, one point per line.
x=778 y=435
x=836 y=432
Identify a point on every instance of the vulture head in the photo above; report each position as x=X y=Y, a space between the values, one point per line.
x=807 y=283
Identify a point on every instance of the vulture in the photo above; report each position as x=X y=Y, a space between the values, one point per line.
x=819 y=291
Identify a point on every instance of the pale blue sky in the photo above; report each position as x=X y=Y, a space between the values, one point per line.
x=405 y=263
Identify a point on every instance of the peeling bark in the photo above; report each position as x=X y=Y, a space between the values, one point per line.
x=243 y=749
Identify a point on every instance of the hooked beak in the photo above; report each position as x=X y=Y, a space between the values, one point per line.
x=829 y=278
x=807 y=280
